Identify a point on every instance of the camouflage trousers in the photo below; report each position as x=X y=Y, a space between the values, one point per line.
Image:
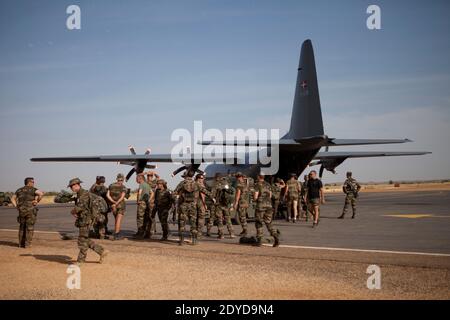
x=223 y=212
x=201 y=212
x=242 y=211
x=141 y=212
x=149 y=226
x=26 y=227
x=292 y=206
x=163 y=216
x=84 y=244
x=187 y=212
x=100 y=228
x=264 y=215
x=349 y=199
x=212 y=218
x=275 y=205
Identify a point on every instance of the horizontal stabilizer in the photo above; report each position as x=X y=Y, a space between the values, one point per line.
x=357 y=142
x=365 y=154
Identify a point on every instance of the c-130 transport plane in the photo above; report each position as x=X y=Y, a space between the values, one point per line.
x=298 y=149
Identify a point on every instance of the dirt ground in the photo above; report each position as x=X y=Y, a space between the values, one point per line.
x=155 y=270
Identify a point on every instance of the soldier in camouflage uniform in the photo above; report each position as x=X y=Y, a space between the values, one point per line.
x=222 y=207
x=99 y=188
x=116 y=196
x=188 y=191
x=292 y=195
x=143 y=205
x=152 y=178
x=304 y=212
x=212 y=210
x=84 y=218
x=162 y=204
x=264 y=211
x=351 y=188
x=201 y=205
x=25 y=200
x=242 y=202
x=277 y=187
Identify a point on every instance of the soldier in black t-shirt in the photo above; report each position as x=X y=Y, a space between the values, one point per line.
x=314 y=195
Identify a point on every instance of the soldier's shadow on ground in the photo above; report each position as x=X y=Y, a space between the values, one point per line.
x=9 y=244
x=51 y=258
x=155 y=240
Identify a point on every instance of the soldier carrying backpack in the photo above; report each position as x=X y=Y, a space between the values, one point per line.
x=88 y=210
x=188 y=191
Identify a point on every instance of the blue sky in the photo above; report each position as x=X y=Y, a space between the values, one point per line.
x=137 y=70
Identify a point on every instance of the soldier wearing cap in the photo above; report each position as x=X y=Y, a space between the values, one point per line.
x=201 y=204
x=264 y=212
x=99 y=188
x=152 y=178
x=303 y=206
x=25 y=199
x=242 y=201
x=163 y=203
x=116 y=196
x=216 y=185
x=351 y=189
x=84 y=218
x=188 y=191
x=292 y=195
x=222 y=207
x=277 y=186
x=144 y=195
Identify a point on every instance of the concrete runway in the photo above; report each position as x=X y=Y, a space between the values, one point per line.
x=398 y=221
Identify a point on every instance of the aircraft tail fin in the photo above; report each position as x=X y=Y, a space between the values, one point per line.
x=306 y=119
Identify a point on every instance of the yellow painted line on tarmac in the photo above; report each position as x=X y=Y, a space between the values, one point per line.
x=414 y=216
x=364 y=250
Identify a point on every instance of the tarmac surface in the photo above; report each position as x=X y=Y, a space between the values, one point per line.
x=406 y=234
x=397 y=221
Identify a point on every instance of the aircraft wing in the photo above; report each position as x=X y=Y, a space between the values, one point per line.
x=127 y=159
x=112 y=158
x=329 y=155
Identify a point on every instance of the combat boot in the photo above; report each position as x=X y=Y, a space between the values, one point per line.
x=139 y=234
x=220 y=236
x=341 y=216
x=181 y=241
x=243 y=233
x=116 y=236
x=258 y=242
x=103 y=256
x=353 y=216
x=194 y=239
x=276 y=240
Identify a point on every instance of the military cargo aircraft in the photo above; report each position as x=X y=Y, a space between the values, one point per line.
x=298 y=149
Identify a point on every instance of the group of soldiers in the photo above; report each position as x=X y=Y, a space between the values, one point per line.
x=192 y=202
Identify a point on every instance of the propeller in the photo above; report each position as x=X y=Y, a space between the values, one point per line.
x=194 y=167
x=140 y=165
